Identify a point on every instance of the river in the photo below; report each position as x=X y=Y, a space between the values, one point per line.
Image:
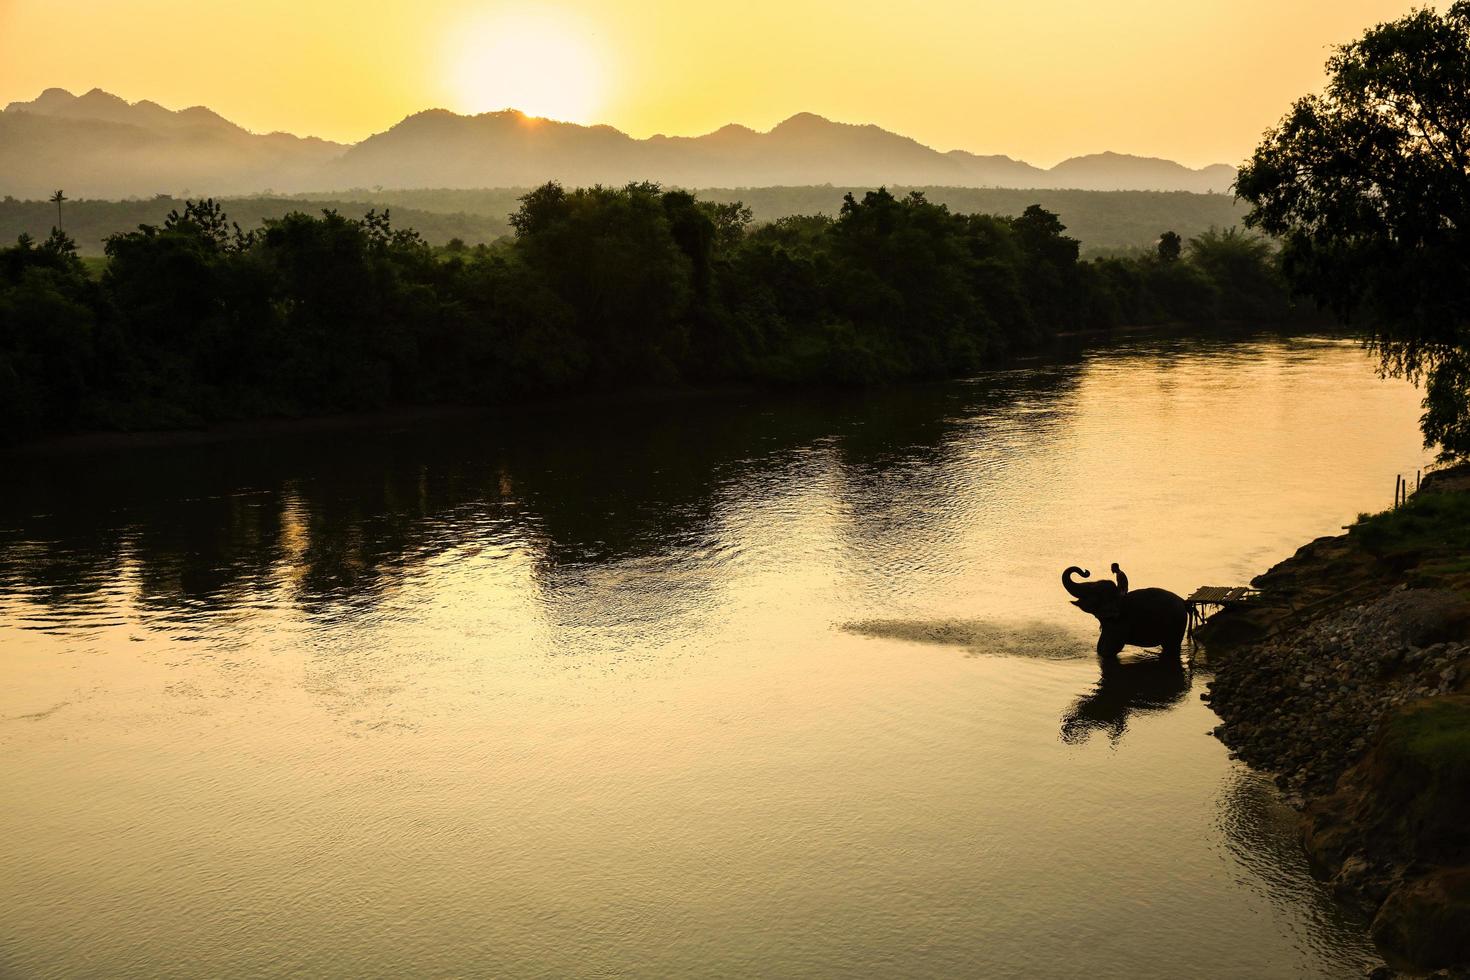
x=748 y=685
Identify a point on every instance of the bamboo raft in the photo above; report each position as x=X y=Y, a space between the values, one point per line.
x=1207 y=600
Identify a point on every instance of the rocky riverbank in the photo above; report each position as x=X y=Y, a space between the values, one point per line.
x=1350 y=681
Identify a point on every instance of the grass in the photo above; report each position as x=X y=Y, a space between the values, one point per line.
x=1422 y=767
x=1429 y=535
x=1436 y=735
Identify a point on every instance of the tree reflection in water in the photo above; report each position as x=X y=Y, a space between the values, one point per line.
x=331 y=522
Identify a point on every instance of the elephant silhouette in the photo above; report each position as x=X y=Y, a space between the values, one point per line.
x=1143 y=617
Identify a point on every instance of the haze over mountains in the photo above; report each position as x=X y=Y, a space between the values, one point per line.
x=98 y=145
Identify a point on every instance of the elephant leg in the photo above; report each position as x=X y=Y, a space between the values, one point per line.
x=1173 y=645
x=1109 y=642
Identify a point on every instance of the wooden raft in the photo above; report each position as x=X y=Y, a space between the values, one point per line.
x=1209 y=599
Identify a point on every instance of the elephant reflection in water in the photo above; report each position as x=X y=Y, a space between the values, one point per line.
x=1125 y=688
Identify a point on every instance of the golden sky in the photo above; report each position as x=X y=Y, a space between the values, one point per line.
x=1193 y=80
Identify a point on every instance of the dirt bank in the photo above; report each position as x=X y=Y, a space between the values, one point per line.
x=1350 y=680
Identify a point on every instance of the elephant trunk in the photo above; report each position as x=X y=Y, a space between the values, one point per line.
x=1071 y=586
x=1122 y=578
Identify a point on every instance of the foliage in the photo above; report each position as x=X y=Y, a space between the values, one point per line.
x=1170 y=247
x=1240 y=267
x=1105 y=222
x=1369 y=186
x=197 y=319
x=48 y=318
x=1431 y=533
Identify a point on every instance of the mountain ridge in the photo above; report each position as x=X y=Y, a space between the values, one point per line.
x=100 y=145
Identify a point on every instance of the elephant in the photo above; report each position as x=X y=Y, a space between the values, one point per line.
x=1145 y=618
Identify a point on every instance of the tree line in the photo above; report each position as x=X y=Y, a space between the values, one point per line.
x=91 y=222
x=197 y=320
x=1106 y=222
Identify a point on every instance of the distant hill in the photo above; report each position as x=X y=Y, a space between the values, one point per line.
x=442 y=149
x=1121 y=172
x=1104 y=221
x=58 y=103
x=98 y=145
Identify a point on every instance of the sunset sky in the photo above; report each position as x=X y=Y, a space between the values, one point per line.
x=1193 y=80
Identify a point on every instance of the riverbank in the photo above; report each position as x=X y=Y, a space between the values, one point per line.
x=377 y=421
x=1350 y=681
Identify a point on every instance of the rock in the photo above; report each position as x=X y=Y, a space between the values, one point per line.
x=1423 y=617
x=1425 y=924
x=1350 y=877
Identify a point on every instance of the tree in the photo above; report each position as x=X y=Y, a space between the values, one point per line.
x=56 y=199
x=1368 y=184
x=616 y=258
x=731 y=220
x=1170 y=246
x=1050 y=271
x=1242 y=268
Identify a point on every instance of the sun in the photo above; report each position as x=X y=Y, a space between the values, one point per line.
x=535 y=64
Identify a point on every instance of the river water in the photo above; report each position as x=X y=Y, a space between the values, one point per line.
x=741 y=686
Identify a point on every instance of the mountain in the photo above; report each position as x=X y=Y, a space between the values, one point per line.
x=1121 y=172
x=58 y=103
x=98 y=145
x=498 y=149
